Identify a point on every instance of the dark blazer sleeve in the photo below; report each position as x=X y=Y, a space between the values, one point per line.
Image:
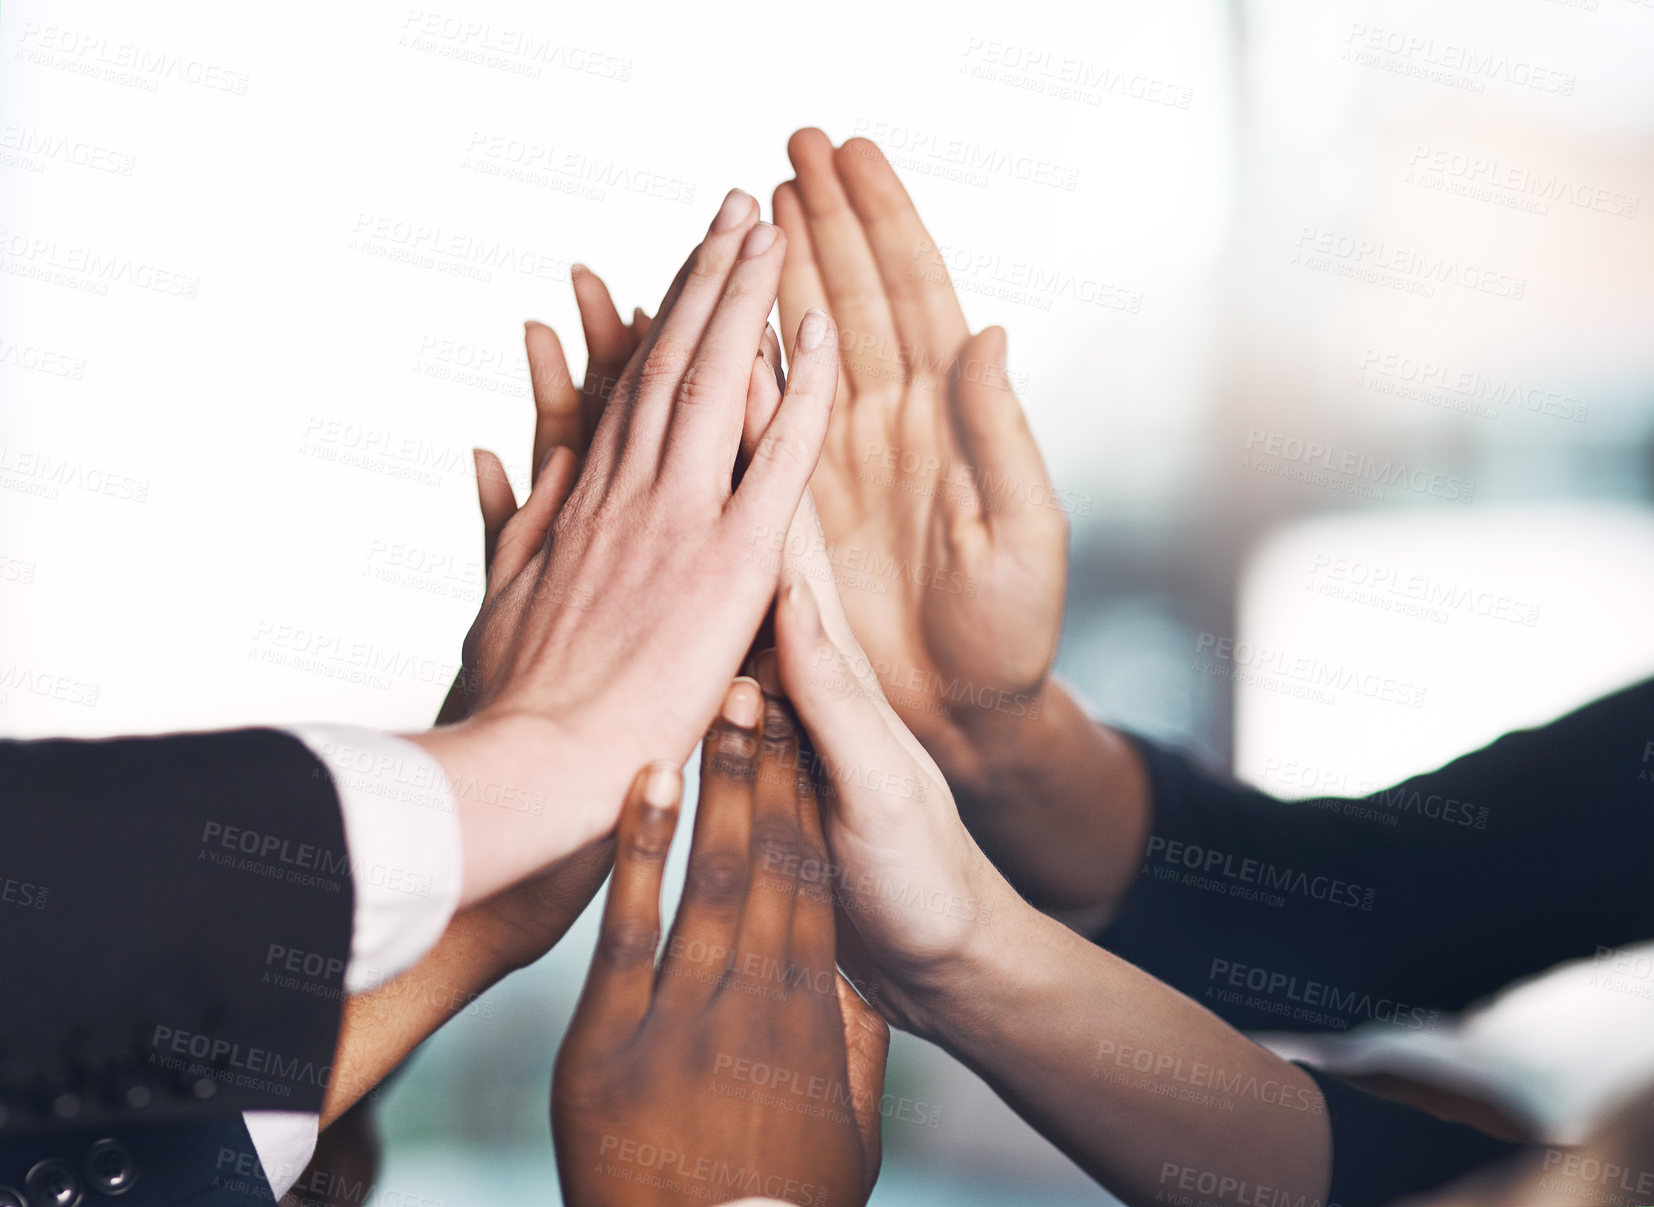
x=175 y=921
x=1416 y=900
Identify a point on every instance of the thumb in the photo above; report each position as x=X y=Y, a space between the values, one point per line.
x=866 y=1048
x=496 y=500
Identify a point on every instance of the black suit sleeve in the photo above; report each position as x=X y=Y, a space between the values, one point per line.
x=1320 y=915
x=175 y=918
x=1401 y=907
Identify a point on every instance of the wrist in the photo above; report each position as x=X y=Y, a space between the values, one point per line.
x=522 y=797
x=940 y=1005
x=984 y=750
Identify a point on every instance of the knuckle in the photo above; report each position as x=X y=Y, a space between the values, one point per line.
x=695 y=387
x=718 y=878
x=650 y=842
x=665 y=364
x=777 y=844
x=628 y=944
x=708 y=264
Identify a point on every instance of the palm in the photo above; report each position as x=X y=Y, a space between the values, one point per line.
x=932 y=495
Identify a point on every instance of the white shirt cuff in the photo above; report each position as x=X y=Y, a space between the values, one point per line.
x=285 y=1141
x=402 y=837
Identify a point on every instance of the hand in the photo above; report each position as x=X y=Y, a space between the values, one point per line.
x=609 y=646
x=931 y=489
x=521 y=924
x=564 y=417
x=914 y=889
x=745 y=1063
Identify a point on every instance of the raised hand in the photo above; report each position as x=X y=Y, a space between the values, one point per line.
x=941 y=520
x=744 y=1064
x=610 y=644
x=564 y=417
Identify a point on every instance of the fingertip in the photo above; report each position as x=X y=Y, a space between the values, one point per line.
x=815 y=330
x=766 y=671
x=806 y=142
x=662 y=786
x=743 y=703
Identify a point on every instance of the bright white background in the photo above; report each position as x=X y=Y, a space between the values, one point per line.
x=214 y=507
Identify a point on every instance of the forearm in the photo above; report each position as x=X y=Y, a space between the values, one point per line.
x=1058 y=802
x=381 y=1028
x=481 y=945
x=1148 y=1092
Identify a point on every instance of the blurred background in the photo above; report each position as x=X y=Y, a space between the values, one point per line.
x=1333 y=319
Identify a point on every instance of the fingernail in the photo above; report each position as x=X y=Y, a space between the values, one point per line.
x=661 y=787
x=743 y=703
x=545 y=461
x=758 y=241
x=767 y=671
x=812 y=330
x=578 y=270
x=736 y=206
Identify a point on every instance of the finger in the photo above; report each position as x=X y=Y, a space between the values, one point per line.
x=777 y=849
x=763 y=392
x=704 y=431
x=609 y=345
x=556 y=401
x=813 y=944
x=616 y=997
x=855 y=292
x=801 y=285
x=665 y=375
x=791 y=444
x=614 y=417
x=526 y=533
x=495 y=498
x=640 y=322
x=867 y=1051
x=995 y=437
x=699 y=949
x=915 y=275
